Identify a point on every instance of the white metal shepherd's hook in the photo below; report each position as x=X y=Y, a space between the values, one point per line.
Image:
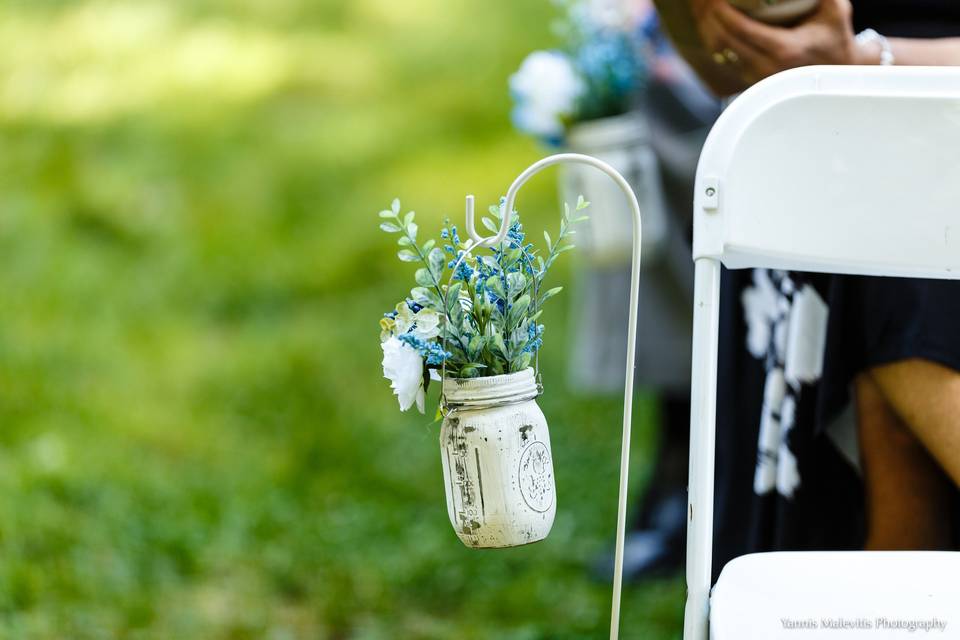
x=479 y=241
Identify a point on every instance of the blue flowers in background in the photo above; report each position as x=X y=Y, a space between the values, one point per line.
x=609 y=65
x=598 y=72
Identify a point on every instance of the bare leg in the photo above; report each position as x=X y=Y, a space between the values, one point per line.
x=926 y=396
x=908 y=495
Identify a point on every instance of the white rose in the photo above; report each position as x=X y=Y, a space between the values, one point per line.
x=403 y=367
x=546 y=88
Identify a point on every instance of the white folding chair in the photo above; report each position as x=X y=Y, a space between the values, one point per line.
x=850 y=170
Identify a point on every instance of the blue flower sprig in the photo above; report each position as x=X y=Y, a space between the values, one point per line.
x=488 y=303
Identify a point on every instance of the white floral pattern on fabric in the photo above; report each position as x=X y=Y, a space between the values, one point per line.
x=786 y=329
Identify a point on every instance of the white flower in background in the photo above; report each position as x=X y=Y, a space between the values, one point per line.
x=403 y=367
x=546 y=89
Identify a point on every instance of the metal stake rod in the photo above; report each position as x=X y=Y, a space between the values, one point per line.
x=479 y=241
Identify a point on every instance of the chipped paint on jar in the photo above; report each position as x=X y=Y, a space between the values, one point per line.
x=497 y=462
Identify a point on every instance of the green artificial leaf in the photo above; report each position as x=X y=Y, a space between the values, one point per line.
x=453 y=346
x=389 y=227
x=407 y=256
x=521 y=362
x=395 y=206
x=518 y=310
x=412 y=230
x=489 y=224
x=386 y=213
x=581 y=203
x=550 y=293
x=581 y=219
x=437 y=261
x=495 y=284
x=404 y=241
x=496 y=341
x=495 y=212
x=407 y=219
x=455 y=312
x=429 y=245
x=546 y=236
x=453 y=295
x=426 y=297
x=423 y=277
x=536 y=316
x=475 y=346
x=516 y=282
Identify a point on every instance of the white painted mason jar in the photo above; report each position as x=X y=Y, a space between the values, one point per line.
x=497 y=461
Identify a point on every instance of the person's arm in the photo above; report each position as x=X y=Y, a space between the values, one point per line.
x=734 y=51
x=937 y=52
x=678 y=19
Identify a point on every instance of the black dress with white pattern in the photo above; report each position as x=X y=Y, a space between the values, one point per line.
x=791 y=345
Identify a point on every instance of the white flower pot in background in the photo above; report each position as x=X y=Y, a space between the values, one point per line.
x=599 y=304
x=497 y=461
x=623 y=142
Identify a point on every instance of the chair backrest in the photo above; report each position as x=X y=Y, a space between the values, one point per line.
x=836 y=169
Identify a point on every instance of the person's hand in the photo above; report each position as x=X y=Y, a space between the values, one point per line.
x=758 y=50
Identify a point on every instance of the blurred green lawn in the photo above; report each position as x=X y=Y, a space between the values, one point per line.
x=195 y=440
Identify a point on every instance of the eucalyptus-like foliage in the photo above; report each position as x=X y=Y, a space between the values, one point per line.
x=489 y=300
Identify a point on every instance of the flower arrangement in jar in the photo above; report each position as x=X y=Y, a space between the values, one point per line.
x=473 y=322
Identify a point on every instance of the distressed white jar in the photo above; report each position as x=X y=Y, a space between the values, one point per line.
x=497 y=461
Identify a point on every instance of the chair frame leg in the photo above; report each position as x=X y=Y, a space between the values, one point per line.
x=706 y=324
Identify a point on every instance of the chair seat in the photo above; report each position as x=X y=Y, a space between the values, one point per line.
x=873 y=595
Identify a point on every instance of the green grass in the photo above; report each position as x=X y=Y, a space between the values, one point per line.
x=195 y=440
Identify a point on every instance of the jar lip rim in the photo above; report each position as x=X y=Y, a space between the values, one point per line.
x=503 y=377
x=509 y=388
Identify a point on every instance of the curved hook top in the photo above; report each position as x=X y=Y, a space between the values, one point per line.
x=536 y=167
